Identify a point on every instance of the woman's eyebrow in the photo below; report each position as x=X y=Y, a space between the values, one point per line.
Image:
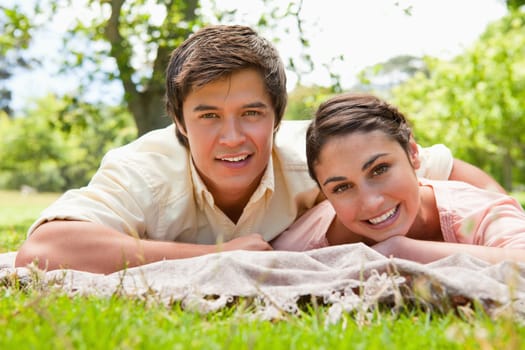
x=371 y=160
x=334 y=179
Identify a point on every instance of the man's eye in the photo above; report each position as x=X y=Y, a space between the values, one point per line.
x=252 y=113
x=380 y=169
x=208 y=115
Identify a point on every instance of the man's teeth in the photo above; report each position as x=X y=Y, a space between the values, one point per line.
x=235 y=159
x=383 y=217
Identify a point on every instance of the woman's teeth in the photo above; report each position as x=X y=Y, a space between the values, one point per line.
x=385 y=216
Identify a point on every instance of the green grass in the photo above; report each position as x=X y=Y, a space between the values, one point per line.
x=36 y=319
x=54 y=321
x=17 y=213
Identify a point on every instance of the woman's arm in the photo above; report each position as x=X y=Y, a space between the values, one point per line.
x=466 y=172
x=428 y=251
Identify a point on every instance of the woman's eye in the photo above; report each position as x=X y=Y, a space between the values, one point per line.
x=380 y=169
x=340 y=188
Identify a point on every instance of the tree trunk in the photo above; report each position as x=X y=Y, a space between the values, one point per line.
x=148 y=110
x=147 y=105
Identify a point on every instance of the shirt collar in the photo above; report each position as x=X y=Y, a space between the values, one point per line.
x=203 y=195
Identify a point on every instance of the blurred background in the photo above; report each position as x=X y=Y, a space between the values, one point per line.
x=80 y=77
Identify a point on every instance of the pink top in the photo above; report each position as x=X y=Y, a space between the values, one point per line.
x=467 y=215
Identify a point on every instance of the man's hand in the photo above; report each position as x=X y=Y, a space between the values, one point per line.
x=252 y=241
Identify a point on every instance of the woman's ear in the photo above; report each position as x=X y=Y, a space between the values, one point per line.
x=413 y=153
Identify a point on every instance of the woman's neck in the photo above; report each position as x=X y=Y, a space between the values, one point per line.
x=427 y=225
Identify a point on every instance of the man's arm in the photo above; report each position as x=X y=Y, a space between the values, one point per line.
x=466 y=172
x=96 y=248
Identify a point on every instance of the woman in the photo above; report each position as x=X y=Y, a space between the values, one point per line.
x=362 y=154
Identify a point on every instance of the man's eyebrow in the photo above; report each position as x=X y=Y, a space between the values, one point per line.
x=257 y=104
x=203 y=107
x=371 y=160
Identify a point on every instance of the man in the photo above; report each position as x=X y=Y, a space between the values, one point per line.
x=216 y=180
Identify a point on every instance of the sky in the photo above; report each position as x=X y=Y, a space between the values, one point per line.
x=365 y=32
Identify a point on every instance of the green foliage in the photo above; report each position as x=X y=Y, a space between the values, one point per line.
x=475 y=103
x=15 y=29
x=15 y=37
x=514 y=4
x=394 y=71
x=304 y=100
x=59 y=143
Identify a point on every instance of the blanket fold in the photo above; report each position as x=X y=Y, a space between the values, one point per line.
x=346 y=277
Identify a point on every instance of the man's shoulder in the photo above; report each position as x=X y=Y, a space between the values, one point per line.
x=292 y=128
x=156 y=155
x=290 y=141
x=156 y=143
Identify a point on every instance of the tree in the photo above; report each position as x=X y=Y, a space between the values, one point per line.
x=120 y=33
x=59 y=143
x=304 y=100
x=475 y=103
x=15 y=37
x=131 y=40
x=513 y=5
x=382 y=77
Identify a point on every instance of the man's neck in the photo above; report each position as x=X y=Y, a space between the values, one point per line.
x=232 y=204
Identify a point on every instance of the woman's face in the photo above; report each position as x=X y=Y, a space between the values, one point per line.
x=371 y=182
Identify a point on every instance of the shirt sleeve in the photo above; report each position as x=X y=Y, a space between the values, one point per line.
x=117 y=196
x=503 y=225
x=436 y=162
x=472 y=215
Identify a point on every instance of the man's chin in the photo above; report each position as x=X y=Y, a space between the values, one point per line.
x=239 y=186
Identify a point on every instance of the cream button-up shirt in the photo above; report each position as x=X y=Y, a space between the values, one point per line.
x=150 y=189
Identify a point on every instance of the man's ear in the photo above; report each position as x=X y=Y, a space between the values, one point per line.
x=413 y=153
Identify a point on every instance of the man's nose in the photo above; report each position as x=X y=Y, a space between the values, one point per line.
x=232 y=132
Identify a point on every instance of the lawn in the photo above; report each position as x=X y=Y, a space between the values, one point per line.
x=36 y=319
x=17 y=213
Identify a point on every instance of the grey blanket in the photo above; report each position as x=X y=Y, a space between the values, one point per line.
x=347 y=278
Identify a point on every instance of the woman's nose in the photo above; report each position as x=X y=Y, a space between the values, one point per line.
x=371 y=200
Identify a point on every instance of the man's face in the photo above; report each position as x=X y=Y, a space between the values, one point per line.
x=229 y=126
